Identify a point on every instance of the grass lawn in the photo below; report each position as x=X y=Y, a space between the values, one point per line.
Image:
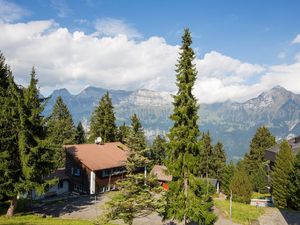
x=37 y=220
x=241 y=213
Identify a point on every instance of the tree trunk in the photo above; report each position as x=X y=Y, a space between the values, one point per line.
x=185 y=195
x=12 y=207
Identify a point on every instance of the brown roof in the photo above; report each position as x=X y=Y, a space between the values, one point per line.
x=270 y=154
x=161 y=173
x=59 y=173
x=99 y=157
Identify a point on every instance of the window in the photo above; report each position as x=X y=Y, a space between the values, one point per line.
x=78 y=187
x=76 y=172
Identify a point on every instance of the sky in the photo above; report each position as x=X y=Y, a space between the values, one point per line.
x=243 y=47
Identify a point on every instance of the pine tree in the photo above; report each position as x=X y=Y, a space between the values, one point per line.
x=158 y=150
x=25 y=157
x=259 y=180
x=186 y=198
x=80 y=134
x=122 y=133
x=61 y=130
x=241 y=186
x=294 y=185
x=103 y=121
x=218 y=161
x=137 y=195
x=280 y=176
x=226 y=178
x=206 y=156
x=262 y=140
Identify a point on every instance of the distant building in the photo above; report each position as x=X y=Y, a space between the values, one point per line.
x=62 y=187
x=161 y=173
x=94 y=168
x=270 y=154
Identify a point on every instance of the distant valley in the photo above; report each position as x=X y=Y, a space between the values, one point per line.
x=230 y=122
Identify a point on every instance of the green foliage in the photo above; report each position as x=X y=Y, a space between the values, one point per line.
x=227 y=177
x=259 y=180
x=61 y=130
x=241 y=186
x=241 y=213
x=122 y=133
x=218 y=162
x=280 y=176
x=262 y=140
x=25 y=156
x=294 y=185
x=138 y=196
x=206 y=156
x=80 y=134
x=158 y=151
x=186 y=198
x=103 y=121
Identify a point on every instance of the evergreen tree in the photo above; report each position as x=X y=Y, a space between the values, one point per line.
x=241 y=186
x=280 y=176
x=226 y=178
x=218 y=161
x=80 y=134
x=262 y=140
x=137 y=195
x=206 y=156
x=122 y=133
x=294 y=185
x=259 y=180
x=186 y=197
x=61 y=130
x=158 y=150
x=25 y=158
x=103 y=121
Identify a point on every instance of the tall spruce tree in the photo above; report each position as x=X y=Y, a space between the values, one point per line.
x=25 y=157
x=122 y=133
x=218 y=161
x=206 y=156
x=158 y=151
x=80 y=134
x=138 y=196
x=280 y=176
x=103 y=121
x=262 y=140
x=241 y=186
x=294 y=185
x=61 y=130
x=186 y=198
x=226 y=178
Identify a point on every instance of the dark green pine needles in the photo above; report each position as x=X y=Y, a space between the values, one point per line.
x=186 y=198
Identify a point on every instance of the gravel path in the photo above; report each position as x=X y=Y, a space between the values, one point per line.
x=274 y=216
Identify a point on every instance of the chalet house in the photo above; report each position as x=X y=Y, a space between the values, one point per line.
x=270 y=154
x=94 y=168
x=161 y=173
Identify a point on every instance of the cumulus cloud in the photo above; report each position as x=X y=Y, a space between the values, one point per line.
x=10 y=12
x=75 y=60
x=296 y=40
x=112 y=27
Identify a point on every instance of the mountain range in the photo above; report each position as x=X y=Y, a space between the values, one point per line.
x=232 y=123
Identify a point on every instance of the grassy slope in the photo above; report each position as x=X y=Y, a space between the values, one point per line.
x=36 y=220
x=241 y=213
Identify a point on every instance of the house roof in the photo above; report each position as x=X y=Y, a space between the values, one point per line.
x=270 y=153
x=100 y=156
x=161 y=173
x=59 y=173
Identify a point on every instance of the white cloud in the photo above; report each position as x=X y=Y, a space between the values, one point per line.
x=296 y=40
x=11 y=12
x=112 y=27
x=75 y=60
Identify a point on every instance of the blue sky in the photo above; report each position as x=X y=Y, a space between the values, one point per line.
x=239 y=44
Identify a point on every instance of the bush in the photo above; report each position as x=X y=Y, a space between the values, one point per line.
x=241 y=186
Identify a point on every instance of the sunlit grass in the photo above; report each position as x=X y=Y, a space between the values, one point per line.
x=241 y=213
